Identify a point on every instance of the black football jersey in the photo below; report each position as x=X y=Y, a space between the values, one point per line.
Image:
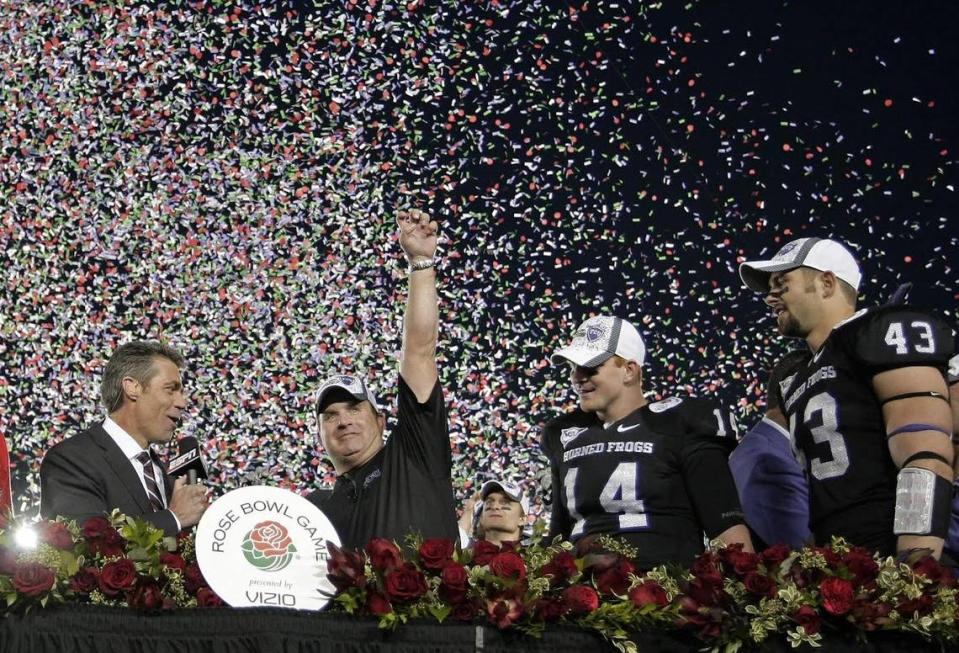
x=659 y=478
x=837 y=425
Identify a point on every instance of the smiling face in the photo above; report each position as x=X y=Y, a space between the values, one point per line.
x=351 y=432
x=153 y=409
x=600 y=388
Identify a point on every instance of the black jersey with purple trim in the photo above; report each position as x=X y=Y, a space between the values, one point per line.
x=837 y=424
x=658 y=478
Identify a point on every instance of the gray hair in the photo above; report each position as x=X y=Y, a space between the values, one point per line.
x=136 y=360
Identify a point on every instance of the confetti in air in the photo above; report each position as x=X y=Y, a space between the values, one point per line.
x=223 y=175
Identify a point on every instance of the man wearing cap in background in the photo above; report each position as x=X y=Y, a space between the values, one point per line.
x=869 y=412
x=498 y=512
x=653 y=475
x=403 y=486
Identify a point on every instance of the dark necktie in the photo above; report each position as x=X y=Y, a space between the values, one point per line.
x=153 y=490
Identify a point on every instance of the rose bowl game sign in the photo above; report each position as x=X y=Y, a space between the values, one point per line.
x=265 y=546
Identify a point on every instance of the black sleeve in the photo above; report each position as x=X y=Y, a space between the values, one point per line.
x=422 y=429
x=708 y=440
x=560 y=522
x=893 y=337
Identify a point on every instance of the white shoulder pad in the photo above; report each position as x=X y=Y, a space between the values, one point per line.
x=665 y=404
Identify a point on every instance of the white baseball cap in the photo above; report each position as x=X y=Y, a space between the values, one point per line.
x=600 y=338
x=355 y=386
x=511 y=490
x=820 y=254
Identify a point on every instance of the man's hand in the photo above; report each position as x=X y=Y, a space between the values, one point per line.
x=417 y=234
x=188 y=502
x=469 y=509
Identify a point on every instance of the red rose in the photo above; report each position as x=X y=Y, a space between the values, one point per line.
x=919 y=606
x=704 y=568
x=871 y=615
x=207 y=598
x=454 y=583
x=193 y=579
x=560 y=569
x=483 y=552
x=384 y=555
x=405 y=584
x=508 y=565
x=741 y=562
x=56 y=534
x=345 y=569
x=648 y=593
x=930 y=568
x=759 y=584
x=704 y=592
x=775 y=554
x=146 y=595
x=464 y=611
x=102 y=537
x=503 y=611
x=117 y=576
x=32 y=579
x=862 y=565
x=84 y=581
x=172 y=560
x=377 y=604
x=837 y=595
x=436 y=552
x=549 y=609
x=615 y=579
x=581 y=599
x=8 y=561
x=832 y=558
x=808 y=618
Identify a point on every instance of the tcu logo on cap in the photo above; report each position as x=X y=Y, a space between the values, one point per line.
x=593 y=333
x=789 y=247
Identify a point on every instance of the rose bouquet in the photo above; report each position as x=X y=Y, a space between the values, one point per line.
x=728 y=599
x=117 y=561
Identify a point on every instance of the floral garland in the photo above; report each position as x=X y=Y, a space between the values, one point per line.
x=728 y=599
x=116 y=561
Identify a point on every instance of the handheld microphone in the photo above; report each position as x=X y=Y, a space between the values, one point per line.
x=188 y=462
x=6 y=496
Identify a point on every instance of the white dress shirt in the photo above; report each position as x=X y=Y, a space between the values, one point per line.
x=131 y=449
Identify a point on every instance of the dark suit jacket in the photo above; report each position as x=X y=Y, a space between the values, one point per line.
x=87 y=475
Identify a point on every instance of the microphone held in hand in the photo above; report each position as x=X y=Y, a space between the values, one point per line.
x=188 y=462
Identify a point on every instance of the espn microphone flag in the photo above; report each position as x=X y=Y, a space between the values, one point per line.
x=188 y=461
x=6 y=493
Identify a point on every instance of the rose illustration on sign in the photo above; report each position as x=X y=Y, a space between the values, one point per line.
x=268 y=546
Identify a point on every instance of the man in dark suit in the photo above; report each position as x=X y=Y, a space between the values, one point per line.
x=111 y=465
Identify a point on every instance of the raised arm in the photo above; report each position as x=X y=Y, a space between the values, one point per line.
x=417 y=234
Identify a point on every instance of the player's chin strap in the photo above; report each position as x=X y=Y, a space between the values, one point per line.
x=910 y=395
x=923 y=499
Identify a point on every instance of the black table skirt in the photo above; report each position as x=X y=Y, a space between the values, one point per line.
x=84 y=628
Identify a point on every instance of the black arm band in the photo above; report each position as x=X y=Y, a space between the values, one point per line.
x=926 y=455
x=910 y=395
